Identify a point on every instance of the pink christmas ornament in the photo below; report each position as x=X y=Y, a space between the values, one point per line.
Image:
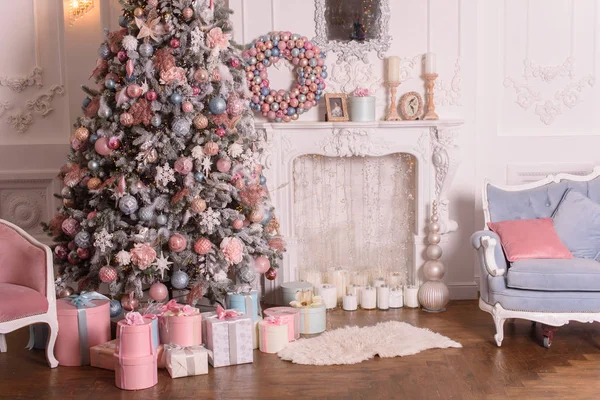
x=198 y=205
x=201 y=75
x=211 y=148
x=129 y=67
x=271 y=274
x=134 y=91
x=187 y=13
x=151 y=95
x=126 y=119
x=235 y=62
x=61 y=252
x=202 y=246
x=101 y=147
x=220 y=132
x=84 y=254
x=70 y=227
x=158 y=291
x=107 y=274
x=184 y=165
x=224 y=165
x=114 y=143
x=122 y=55
x=177 y=243
x=77 y=144
x=261 y=264
x=187 y=106
x=238 y=224
x=175 y=43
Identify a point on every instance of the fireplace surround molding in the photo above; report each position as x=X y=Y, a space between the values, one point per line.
x=432 y=143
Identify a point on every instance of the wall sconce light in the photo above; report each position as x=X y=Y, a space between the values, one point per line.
x=78 y=8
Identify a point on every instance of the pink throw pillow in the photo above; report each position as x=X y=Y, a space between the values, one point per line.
x=523 y=239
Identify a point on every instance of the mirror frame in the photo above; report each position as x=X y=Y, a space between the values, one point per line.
x=354 y=49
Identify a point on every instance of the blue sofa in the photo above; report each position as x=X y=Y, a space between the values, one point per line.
x=549 y=291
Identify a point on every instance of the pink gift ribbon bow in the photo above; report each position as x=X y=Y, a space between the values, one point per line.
x=172 y=306
x=134 y=318
x=227 y=314
x=275 y=320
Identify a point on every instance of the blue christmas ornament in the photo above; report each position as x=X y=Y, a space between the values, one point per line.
x=199 y=176
x=104 y=51
x=128 y=204
x=93 y=139
x=181 y=127
x=267 y=217
x=86 y=102
x=266 y=62
x=275 y=52
x=82 y=239
x=256 y=72
x=109 y=84
x=217 y=105
x=295 y=52
x=324 y=74
x=291 y=111
x=115 y=308
x=146 y=214
x=264 y=91
x=123 y=21
x=131 y=78
x=263 y=179
x=313 y=62
x=176 y=98
x=267 y=53
x=156 y=120
x=179 y=280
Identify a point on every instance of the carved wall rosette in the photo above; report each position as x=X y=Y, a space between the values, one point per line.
x=349 y=142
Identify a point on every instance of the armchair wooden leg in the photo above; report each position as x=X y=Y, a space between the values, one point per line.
x=3 y=347
x=499 y=336
x=52 y=334
x=548 y=333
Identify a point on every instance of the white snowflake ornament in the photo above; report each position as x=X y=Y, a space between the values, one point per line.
x=103 y=240
x=197 y=152
x=164 y=175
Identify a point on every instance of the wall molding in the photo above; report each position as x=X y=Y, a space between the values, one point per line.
x=18 y=84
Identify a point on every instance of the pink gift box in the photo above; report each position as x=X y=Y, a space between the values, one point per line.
x=135 y=373
x=101 y=356
x=69 y=349
x=135 y=340
x=291 y=316
x=183 y=330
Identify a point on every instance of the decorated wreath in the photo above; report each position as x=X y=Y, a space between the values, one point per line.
x=285 y=105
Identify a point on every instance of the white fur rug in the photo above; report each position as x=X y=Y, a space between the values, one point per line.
x=353 y=344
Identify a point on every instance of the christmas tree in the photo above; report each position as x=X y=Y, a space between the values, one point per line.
x=163 y=182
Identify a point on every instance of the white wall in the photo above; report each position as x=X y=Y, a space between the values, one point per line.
x=479 y=44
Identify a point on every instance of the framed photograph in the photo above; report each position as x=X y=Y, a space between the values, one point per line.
x=337 y=109
x=411 y=106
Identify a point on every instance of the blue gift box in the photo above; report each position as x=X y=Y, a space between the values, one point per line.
x=245 y=302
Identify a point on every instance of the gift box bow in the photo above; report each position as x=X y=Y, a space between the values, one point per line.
x=84 y=299
x=134 y=318
x=274 y=320
x=305 y=299
x=179 y=309
x=227 y=314
x=361 y=92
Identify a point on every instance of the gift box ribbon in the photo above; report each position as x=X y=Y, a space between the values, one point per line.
x=189 y=355
x=82 y=301
x=230 y=316
x=246 y=291
x=295 y=317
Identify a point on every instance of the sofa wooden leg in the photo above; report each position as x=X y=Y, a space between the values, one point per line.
x=3 y=347
x=52 y=334
x=548 y=333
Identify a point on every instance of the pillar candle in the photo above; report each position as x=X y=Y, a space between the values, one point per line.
x=379 y=282
x=396 y=297
x=393 y=72
x=350 y=302
x=329 y=295
x=394 y=279
x=356 y=290
x=368 y=298
x=313 y=277
x=340 y=280
x=410 y=296
x=430 y=63
x=383 y=297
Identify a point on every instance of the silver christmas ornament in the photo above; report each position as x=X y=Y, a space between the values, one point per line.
x=82 y=239
x=433 y=294
x=217 y=105
x=146 y=50
x=156 y=120
x=246 y=274
x=104 y=51
x=161 y=219
x=93 y=165
x=179 y=280
x=146 y=214
x=181 y=126
x=128 y=204
x=66 y=192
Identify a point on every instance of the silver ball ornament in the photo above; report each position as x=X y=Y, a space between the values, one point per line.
x=128 y=204
x=115 y=308
x=104 y=51
x=104 y=112
x=435 y=218
x=146 y=50
x=82 y=239
x=93 y=165
x=66 y=192
x=217 y=105
x=180 y=280
x=433 y=296
x=246 y=274
x=181 y=126
x=156 y=120
x=434 y=227
x=434 y=270
x=146 y=214
x=433 y=252
x=161 y=219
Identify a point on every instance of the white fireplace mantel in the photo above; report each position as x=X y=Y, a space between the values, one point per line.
x=432 y=143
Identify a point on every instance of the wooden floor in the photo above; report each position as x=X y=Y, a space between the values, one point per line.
x=521 y=369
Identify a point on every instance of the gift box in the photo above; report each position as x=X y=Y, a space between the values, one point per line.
x=291 y=315
x=312 y=312
x=154 y=326
x=273 y=334
x=101 y=356
x=84 y=322
x=135 y=373
x=185 y=361
x=180 y=325
x=245 y=302
x=289 y=290
x=229 y=338
x=135 y=336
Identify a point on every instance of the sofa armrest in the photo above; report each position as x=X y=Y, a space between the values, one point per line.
x=493 y=260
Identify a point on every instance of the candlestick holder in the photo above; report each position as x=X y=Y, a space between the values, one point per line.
x=430 y=78
x=393 y=111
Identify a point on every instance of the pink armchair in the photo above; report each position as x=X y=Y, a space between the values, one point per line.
x=27 y=293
